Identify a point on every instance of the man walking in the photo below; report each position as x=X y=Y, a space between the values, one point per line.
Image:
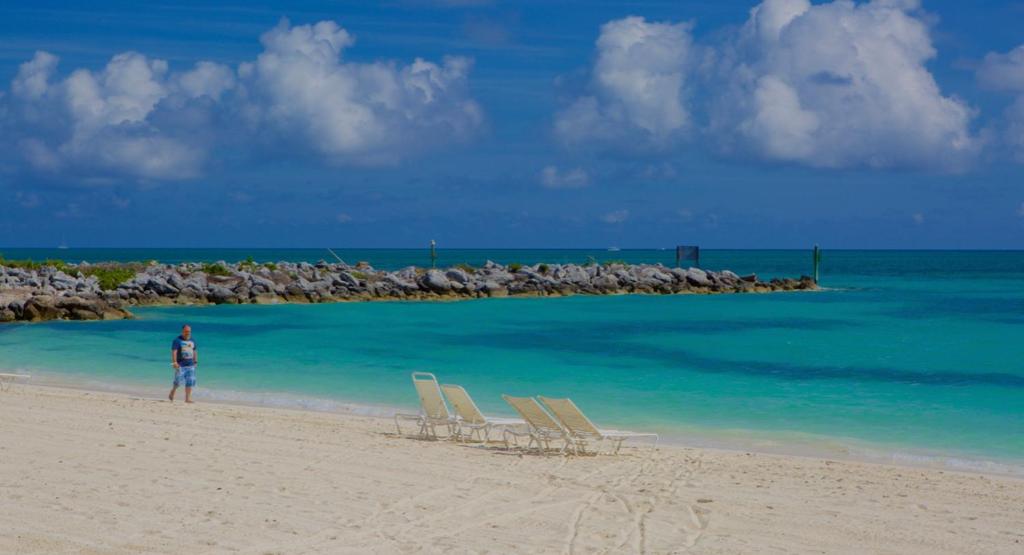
x=184 y=357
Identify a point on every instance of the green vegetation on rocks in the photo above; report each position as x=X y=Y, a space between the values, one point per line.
x=109 y=277
x=30 y=264
x=217 y=269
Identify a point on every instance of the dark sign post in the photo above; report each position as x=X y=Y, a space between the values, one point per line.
x=817 y=262
x=687 y=252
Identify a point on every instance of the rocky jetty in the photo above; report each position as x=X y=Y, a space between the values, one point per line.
x=71 y=293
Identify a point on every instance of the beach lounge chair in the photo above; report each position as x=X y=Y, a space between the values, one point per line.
x=7 y=379
x=469 y=419
x=541 y=428
x=433 y=411
x=583 y=431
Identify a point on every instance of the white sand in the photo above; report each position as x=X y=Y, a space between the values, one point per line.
x=85 y=472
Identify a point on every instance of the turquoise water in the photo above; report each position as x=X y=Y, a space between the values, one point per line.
x=917 y=354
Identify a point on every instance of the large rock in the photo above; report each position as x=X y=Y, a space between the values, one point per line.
x=698 y=277
x=606 y=282
x=348 y=280
x=41 y=307
x=436 y=282
x=403 y=284
x=492 y=288
x=260 y=285
x=159 y=285
x=457 y=275
x=63 y=282
x=220 y=294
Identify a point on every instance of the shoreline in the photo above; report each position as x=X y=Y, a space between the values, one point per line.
x=785 y=443
x=213 y=478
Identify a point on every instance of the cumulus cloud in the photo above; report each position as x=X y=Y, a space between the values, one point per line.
x=638 y=86
x=137 y=119
x=350 y=112
x=836 y=85
x=98 y=123
x=575 y=178
x=1005 y=72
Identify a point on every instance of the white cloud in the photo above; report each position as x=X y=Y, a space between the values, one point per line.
x=917 y=217
x=637 y=88
x=343 y=218
x=1015 y=128
x=1005 y=72
x=615 y=217
x=207 y=79
x=98 y=124
x=351 y=112
x=136 y=119
x=1020 y=210
x=32 y=80
x=834 y=85
x=575 y=178
x=840 y=84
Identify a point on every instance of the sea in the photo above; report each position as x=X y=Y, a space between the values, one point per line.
x=912 y=357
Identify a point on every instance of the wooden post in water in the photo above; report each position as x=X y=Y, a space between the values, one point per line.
x=817 y=262
x=433 y=253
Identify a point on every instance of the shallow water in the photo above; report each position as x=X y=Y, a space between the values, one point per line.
x=909 y=354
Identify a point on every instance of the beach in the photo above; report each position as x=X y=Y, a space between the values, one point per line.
x=95 y=472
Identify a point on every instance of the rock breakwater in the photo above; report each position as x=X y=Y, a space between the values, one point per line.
x=73 y=292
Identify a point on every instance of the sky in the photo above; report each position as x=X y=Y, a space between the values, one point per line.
x=727 y=124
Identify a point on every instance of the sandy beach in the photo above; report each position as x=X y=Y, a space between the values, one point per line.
x=89 y=472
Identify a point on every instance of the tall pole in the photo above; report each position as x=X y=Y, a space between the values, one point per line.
x=433 y=253
x=817 y=262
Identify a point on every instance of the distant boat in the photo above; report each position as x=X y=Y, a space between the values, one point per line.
x=614 y=249
x=63 y=245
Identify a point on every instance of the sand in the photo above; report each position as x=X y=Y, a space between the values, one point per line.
x=87 y=472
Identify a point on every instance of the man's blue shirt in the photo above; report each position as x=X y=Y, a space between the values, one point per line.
x=186 y=351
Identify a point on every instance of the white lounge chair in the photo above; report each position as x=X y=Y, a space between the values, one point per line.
x=541 y=428
x=469 y=418
x=7 y=379
x=582 y=430
x=433 y=411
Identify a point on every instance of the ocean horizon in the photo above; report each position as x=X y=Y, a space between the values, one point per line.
x=905 y=356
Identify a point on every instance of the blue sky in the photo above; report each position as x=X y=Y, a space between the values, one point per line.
x=885 y=124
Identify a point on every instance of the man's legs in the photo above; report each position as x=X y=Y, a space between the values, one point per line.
x=189 y=375
x=170 y=396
